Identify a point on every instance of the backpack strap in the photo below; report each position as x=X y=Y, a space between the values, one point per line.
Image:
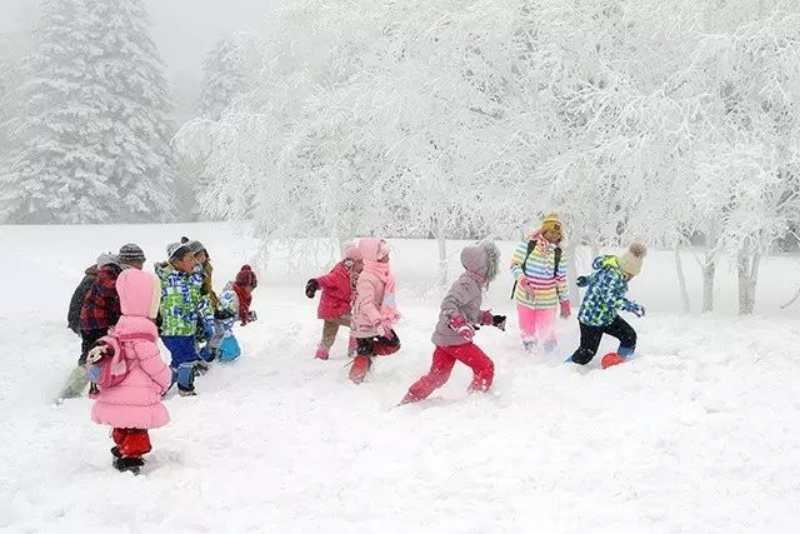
x=557 y=262
x=531 y=247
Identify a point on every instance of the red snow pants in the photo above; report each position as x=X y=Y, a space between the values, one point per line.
x=131 y=441
x=444 y=358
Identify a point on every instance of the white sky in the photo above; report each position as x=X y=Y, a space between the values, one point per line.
x=184 y=31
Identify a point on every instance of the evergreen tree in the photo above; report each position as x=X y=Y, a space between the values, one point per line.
x=226 y=68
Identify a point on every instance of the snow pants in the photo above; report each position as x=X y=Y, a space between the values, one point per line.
x=444 y=358
x=330 y=327
x=132 y=442
x=538 y=325
x=591 y=336
x=184 y=356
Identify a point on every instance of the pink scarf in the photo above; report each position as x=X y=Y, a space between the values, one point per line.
x=382 y=271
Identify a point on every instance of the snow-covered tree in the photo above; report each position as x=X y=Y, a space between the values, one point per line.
x=228 y=72
x=93 y=137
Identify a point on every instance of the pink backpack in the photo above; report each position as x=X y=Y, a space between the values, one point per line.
x=111 y=369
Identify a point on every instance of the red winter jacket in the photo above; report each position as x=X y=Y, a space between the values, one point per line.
x=100 y=308
x=336 y=292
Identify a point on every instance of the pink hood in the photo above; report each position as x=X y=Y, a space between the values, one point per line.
x=139 y=293
x=373 y=249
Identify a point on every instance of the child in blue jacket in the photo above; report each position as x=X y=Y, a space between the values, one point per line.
x=604 y=298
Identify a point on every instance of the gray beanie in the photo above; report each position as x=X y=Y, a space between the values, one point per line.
x=106 y=258
x=176 y=251
x=131 y=253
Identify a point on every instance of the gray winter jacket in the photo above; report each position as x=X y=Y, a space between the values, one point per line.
x=465 y=295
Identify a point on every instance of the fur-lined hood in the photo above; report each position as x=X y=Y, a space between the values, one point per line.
x=482 y=260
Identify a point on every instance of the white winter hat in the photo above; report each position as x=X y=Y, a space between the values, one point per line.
x=631 y=261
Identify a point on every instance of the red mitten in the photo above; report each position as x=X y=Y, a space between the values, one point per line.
x=463 y=329
x=566 y=309
x=487 y=318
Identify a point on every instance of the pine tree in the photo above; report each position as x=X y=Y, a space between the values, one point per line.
x=94 y=139
x=225 y=69
x=137 y=106
x=55 y=173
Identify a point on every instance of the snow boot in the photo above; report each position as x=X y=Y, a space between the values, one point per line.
x=115 y=452
x=359 y=368
x=129 y=463
x=529 y=346
x=408 y=399
x=322 y=353
x=186 y=392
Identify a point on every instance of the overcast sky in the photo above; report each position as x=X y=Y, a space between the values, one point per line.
x=183 y=30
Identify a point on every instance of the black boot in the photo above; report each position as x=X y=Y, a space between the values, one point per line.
x=131 y=463
x=115 y=452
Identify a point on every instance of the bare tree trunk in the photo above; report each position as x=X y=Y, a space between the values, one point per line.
x=747 y=267
x=709 y=271
x=572 y=272
x=687 y=307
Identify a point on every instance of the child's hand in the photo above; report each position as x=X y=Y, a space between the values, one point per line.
x=312 y=286
x=461 y=327
x=582 y=281
x=638 y=310
x=97 y=353
x=525 y=284
x=499 y=321
x=486 y=318
x=566 y=309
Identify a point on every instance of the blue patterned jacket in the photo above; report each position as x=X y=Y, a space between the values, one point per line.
x=605 y=293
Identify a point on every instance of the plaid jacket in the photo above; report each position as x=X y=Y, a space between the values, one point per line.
x=100 y=309
x=605 y=293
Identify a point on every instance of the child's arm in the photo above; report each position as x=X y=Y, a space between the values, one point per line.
x=459 y=296
x=631 y=306
x=365 y=300
x=150 y=362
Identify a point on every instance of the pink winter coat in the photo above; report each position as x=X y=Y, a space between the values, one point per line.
x=370 y=291
x=136 y=401
x=336 y=292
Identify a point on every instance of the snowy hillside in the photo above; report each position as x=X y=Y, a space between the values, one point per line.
x=698 y=434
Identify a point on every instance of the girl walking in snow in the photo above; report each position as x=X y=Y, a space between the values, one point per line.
x=234 y=304
x=374 y=308
x=539 y=270
x=133 y=405
x=334 y=304
x=604 y=298
x=460 y=310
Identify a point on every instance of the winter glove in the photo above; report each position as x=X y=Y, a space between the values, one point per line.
x=582 y=281
x=311 y=288
x=461 y=327
x=224 y=314
x=98 y=353
x=566 y=309
x=499 y=321
x=525 y=283
x=638 y=310
x=251 y=316
x=486 y=317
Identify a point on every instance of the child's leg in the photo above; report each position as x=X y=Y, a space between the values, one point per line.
x=545 y=320
x=136 y=443
x=329 y=330
x=363 y=360
x=623 y=331
x=184 y=355
x=441 y=367
x=482 y=366
x=590 y=341
x=527 y=325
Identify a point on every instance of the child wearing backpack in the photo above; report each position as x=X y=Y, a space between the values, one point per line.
x=183 y=308
x=604 y=298
x=460 y=310
x=374 y=308
x=234 y=304
x=539 y=270
x=128 y=370
x=334 y=304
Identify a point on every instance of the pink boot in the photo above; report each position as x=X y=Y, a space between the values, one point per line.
x=322 y=353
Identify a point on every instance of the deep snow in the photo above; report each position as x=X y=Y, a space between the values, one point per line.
x=699 y=434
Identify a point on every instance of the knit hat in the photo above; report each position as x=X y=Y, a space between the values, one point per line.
x=106 y=258
x=194 y=245
x=631 y=260
x=131 y=253
x=176 y=251
x=552 y=223
x=246 y=277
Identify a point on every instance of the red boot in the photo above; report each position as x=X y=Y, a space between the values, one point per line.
x=359 y=368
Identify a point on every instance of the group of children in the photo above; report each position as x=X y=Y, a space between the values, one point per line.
x=120 y=311
x=359 y=293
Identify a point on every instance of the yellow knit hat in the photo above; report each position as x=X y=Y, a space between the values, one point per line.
x=552 y=223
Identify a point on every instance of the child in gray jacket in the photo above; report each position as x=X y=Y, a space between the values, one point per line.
x=460 y=310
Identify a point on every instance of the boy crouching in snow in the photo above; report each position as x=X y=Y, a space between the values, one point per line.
x=461 y=309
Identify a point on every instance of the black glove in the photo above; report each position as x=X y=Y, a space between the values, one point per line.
x=582 y=281
x=499 y=321
x=251 y=316
x=311 y=288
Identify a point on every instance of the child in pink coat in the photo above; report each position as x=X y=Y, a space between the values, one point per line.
x=334 y=304
x=374 y=309
x=134 y=405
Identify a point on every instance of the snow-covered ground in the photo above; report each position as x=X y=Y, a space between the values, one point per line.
x=701 y=434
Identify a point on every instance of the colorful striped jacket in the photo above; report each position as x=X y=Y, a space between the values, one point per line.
x=183 y=303
x=605 y=293
x=549 y=284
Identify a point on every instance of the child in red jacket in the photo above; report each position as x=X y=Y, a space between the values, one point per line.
x=334 y=304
